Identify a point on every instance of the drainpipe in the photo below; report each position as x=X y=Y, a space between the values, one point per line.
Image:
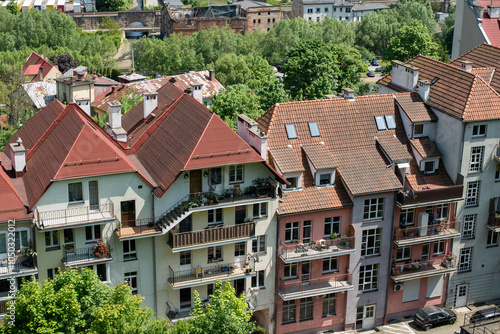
x=390 y=259
x=154 y=260
x=275 y=315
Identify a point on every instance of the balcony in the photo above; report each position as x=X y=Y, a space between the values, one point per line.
x=496 y=154
x=76 y=216
x=415 y=198
x=138 y=228
x=289 y=290
x=22 y=265
x=318 y=250
x=89 y=255
x=417 y=269
x=3 y=306
x=211 y=236
x=494 y=216
x=205 y=275
x=418 y=234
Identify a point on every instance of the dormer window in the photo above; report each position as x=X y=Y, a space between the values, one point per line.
x=418 y=129
x=313 y=128
x=290 y=131
x=294 y=180
x=325 y=179
x=429 y=167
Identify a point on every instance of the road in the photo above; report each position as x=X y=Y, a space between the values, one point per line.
x=378 y=75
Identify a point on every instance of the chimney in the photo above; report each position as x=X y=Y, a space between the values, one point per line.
x=211 y=75
x=40 y=73
x=348 y=93
x=404 y=75
x=424 y=88
x=249 y=132
x=150 y=103
x=18 y=157
x=84 y=103
x=466 y=65
x=479 y=11
x=494 y=11
x=114 y=127
x=197 y=92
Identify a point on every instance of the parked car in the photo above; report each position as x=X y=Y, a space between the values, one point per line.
x=370 y=74
x=485 y=314
x=367 y=61
x=375 y=62
x=380 y=69
x=432 y=316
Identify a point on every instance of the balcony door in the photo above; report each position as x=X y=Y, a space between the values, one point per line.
x=195 y=181
x=239 y=286
x=306 y=272
x=365 y=317
x=185 y=298
x=128 y=213
x=93 y=195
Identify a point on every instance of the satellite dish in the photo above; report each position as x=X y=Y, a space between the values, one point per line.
x=257 y=258
x=280 y=192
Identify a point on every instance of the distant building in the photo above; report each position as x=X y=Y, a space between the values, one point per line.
x=263 y=17
x=318 y=10
x=41 y=93
x=36 y=68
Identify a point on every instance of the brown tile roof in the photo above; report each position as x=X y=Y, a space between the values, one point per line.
x=420 y=181
x=393 y=148
x=415 y=108
x=11 y=205
x=425 y=147
x=485 y=73
x=319 y=156
x=286 y=160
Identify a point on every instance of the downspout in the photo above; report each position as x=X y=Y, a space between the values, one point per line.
x=154 y=260
x=276 y=276
x=390 y=259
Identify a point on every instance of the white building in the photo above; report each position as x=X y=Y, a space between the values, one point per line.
x=318 y=10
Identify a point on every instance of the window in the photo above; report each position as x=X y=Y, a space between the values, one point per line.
x=69 y=240
x=497 y=173
x=442 y=211
x=476 y=159
x=260 y=210
x=215 y=174
x=253 y=21
x=389 y=119
x=306 y=231
x=380 y=123
x=210 y=289
x=368 y=277
x=403 y=253
x=425 y=251
x=185 y=258
x=340 y=9
x=330 y=265
x=236 y=173
x=52 y=240
x=21 y=239
x=465 y=260
x=318 y=10
x=240 y=213
x=92 y=233
x=268 y=20
x=291 y=231
x=293 y=181
x=214 y=216
x=325 y=179
x=51 y=272
x=472 y=197
x=469 y=227
x=258 y=280
x=418 y=129
x=290 y=270
x=274 y=20
x=309 y=10
x=310 y=18
x=259 y=245
x=240 y=248
x=492 y=238
x=306 y=308
x=214 y=254
x=479 y=130
x=290 y=131
x=326 y=9
x=329 y=305
x=370 y=243
x=347 y=10
x=374 y=209
x=408 y=214
x=3 y=242
x=439 y=247
x=101 y=271
x=334 y=9
x=289 y=311
x=131 y=279
x=332 y=226
x=429 y=166
x=75 y=192
x=129 y=251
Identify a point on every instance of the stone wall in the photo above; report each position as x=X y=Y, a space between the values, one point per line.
x=92 y=21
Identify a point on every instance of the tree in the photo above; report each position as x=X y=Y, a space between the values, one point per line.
x=251 y=70
x=12 y=7
x=130 y=100
x=271 y=92
x=447 y=29
x=64 y=62
x=226 y=313
x=112 y=5
x=17 y=97
x=411 y=40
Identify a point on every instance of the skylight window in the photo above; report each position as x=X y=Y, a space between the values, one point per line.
x=389 y=120
x=313 y=128
x=380 y=123
x=290 y=131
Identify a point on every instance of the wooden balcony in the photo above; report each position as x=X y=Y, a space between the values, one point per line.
x=75 y=216
x=22 y=265
x=418 y=234
x=138 y=228
x=404 y=271
x=87 y=255
x=205 y=275
x=211 y=236
x=295 y=252
x=289 y=290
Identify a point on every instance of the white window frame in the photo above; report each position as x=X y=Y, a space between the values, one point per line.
x=327 y=177
x=372 y=209
x=443 y=211
x=94 y=267
x=258 y=279
x=130 y=251
x=213 y=172
x=439 y=247
x=492 y=238
x=307 y=227
x=476 y=159
x=292 y=229
x=403 y=253
x=212 y=216
x=368 y=277
x=132 y=279
x=306 y=308
x=234 y=171
x=407 y=213
x=259 y=244
x=292 y=269
x=289 y=311
x=71 y=198
x=261 y=209
x=329 y=305
x=185 y=258
x=332 y=225
x=472 y=195
x=17 y=234
x=291 y=131
x=465 y=259
x=476 y=130
x=53 y=244
x=371 y=242
x=93 y=229
x=215 y=250
x=237 y=248
x=469 y=227
x=332 y=263
x=415 y=134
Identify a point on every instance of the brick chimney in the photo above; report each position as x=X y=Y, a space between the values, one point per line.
x=404 y=75
x=249 y=132
x=197 y=92
x=40 y=73
x=18 y=157
x=114 y=127
x=466 y=65
x=348 y=93
x=424 y=88
x=150 y=103
x=84 y=103
x=211 y=75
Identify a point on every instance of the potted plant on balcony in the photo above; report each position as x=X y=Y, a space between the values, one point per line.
x=333 y=236
x=29 y=254
x=345 y=241
x=101 y=249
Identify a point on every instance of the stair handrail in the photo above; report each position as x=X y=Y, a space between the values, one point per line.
x=174 y=206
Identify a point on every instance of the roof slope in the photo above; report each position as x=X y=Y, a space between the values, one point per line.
x=41 y=92
x=11 y=205
x=32 y=65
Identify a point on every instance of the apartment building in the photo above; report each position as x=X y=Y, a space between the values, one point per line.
x=463 y=96
x=318 y=10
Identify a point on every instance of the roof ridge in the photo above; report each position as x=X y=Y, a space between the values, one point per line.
x=448 y=65
x=474 y=83
x=198 y=142
x=474 y=49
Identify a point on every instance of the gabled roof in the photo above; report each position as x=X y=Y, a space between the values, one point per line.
x=286 y=160
x=71 y=71
x=11 y=205
x=393 y=148
x=319 y=156
x=33 y=64
x=425 y=147
x=416 y=112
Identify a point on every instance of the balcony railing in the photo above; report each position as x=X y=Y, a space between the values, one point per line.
x=414 y=197
x=138 y=228
x=211 y=235
x=289 y=290
x=75 y=216
x=497 y=154
x=20 y=265
x=98 y=253
x=204 y=275
x=3 y=306
x=494 y=217
x=408 y=270
x=294 y=252
x=416 y=234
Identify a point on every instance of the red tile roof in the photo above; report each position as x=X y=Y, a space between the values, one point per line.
x=11 y=205
x=425 y=147
x=32 y=65
x=285 y=160
x=319 y=156
x=416 y=112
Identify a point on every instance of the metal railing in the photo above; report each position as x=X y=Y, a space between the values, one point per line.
x=494 y=216
x=414 y=197
x=76 y=215
x=320 y=285
x=443 y=228
x=209 y=235
x=319 y=248
x=200 y=274
x=21 y=264
x=420 y=266
x=4 y=305
x=87 y=254
x=138 y=227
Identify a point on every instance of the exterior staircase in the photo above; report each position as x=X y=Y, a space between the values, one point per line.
x=174 y=216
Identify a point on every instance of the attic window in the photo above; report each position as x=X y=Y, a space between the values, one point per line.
x=380 y=123
x=389 y=120
x=290 y=131
x=313 y=128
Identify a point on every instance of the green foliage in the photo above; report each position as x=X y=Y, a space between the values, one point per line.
x=130 y=100
x=251 y=70
x=111 y=25
x=113 y=5
x=12 y=7
x=411 y=40
x=271 y=92
x=447 y=29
